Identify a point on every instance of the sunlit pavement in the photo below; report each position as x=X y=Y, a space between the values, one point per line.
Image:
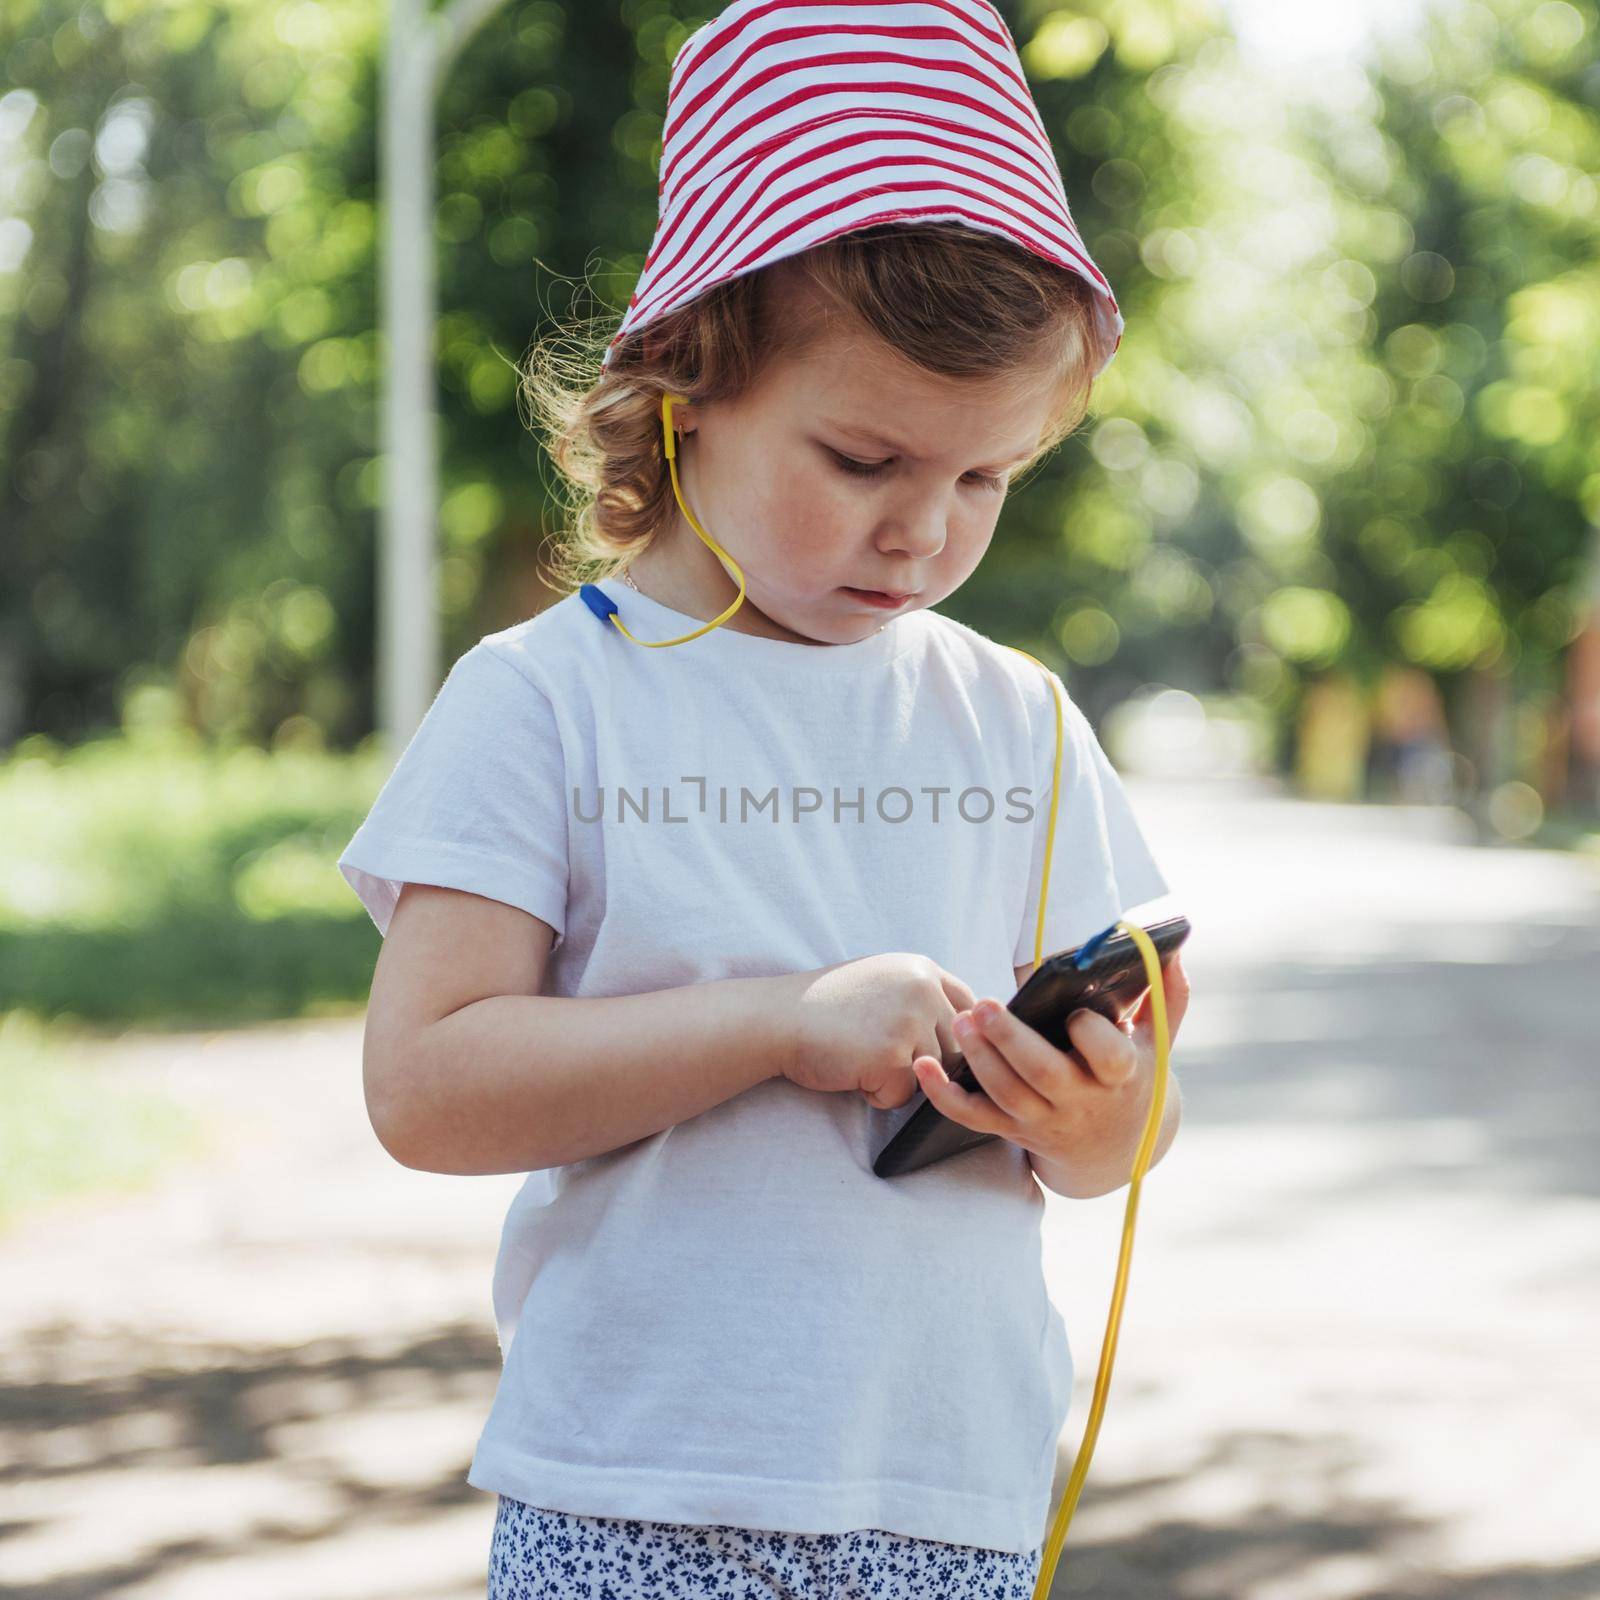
x=1357 y=1355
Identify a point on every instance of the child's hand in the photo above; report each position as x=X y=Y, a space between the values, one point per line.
x=1087 y=1106
x=860 y=1024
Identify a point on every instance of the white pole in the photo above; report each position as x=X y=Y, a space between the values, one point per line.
x=419 y=49
x=408 y=615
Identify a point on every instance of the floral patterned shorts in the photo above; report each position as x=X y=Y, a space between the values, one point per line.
x=558 y=1555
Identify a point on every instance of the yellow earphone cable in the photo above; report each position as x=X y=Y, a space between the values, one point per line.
x=1108 y=1352
x=1158 y=1006
x=721 y=554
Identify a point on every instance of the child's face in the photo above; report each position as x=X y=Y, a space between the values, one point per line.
x=764 y=478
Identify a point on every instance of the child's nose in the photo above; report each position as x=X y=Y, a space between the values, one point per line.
x=918 y=531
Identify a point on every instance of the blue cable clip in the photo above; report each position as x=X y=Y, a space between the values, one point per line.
x=1091 y=948
x=598 y=601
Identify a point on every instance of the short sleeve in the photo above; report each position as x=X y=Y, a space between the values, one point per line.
x=1101 y=866
x=474 y=802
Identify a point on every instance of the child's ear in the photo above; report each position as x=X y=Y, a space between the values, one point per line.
x=685 y=418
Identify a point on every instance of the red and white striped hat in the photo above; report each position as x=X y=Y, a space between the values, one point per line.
x=789 y=123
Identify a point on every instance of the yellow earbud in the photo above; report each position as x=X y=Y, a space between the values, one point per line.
x=606 y=609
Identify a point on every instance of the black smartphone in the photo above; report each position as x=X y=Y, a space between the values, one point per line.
x=1104 y=974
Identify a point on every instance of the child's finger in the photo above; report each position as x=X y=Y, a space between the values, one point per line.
x=974 y=1111
x=1110 y=1052
x=1045 y=1070
x=999 y=1078
x=1175 y=987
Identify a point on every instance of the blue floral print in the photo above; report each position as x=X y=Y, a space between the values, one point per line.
x=540 y=1554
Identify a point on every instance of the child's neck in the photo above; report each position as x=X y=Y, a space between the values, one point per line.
x=695 y=582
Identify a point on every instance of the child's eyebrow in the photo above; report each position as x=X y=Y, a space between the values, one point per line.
x=878 y=439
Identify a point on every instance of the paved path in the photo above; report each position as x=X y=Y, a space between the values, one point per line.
x=1357 y=1356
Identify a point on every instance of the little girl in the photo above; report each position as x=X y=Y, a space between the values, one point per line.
x=683 y=934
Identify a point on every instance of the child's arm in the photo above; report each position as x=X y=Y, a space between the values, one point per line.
x=469 y=1070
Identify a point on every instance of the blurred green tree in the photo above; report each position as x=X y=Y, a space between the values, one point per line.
x=186 y=361
x=1472 y=232
x=190 y=358
x=1351 y=422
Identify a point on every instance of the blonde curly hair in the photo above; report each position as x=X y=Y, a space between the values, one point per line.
x=954 y=301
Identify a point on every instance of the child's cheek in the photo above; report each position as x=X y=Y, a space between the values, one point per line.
x=810 y=521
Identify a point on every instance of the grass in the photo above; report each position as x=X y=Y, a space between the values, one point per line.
x=69 y=1130
x=151 y=881
x=162 y=881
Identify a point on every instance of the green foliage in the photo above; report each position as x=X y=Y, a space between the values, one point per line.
x=69 y=1128
x=164 y=880
x=1473 y=234
x=1352 y=421
x=187 y=359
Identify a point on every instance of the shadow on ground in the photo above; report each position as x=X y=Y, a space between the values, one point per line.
x=1436 y=1060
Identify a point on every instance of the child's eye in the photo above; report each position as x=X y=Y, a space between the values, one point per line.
x=871 y=469
x=860 y=469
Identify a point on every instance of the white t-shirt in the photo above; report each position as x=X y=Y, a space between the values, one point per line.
x=733 y=1321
